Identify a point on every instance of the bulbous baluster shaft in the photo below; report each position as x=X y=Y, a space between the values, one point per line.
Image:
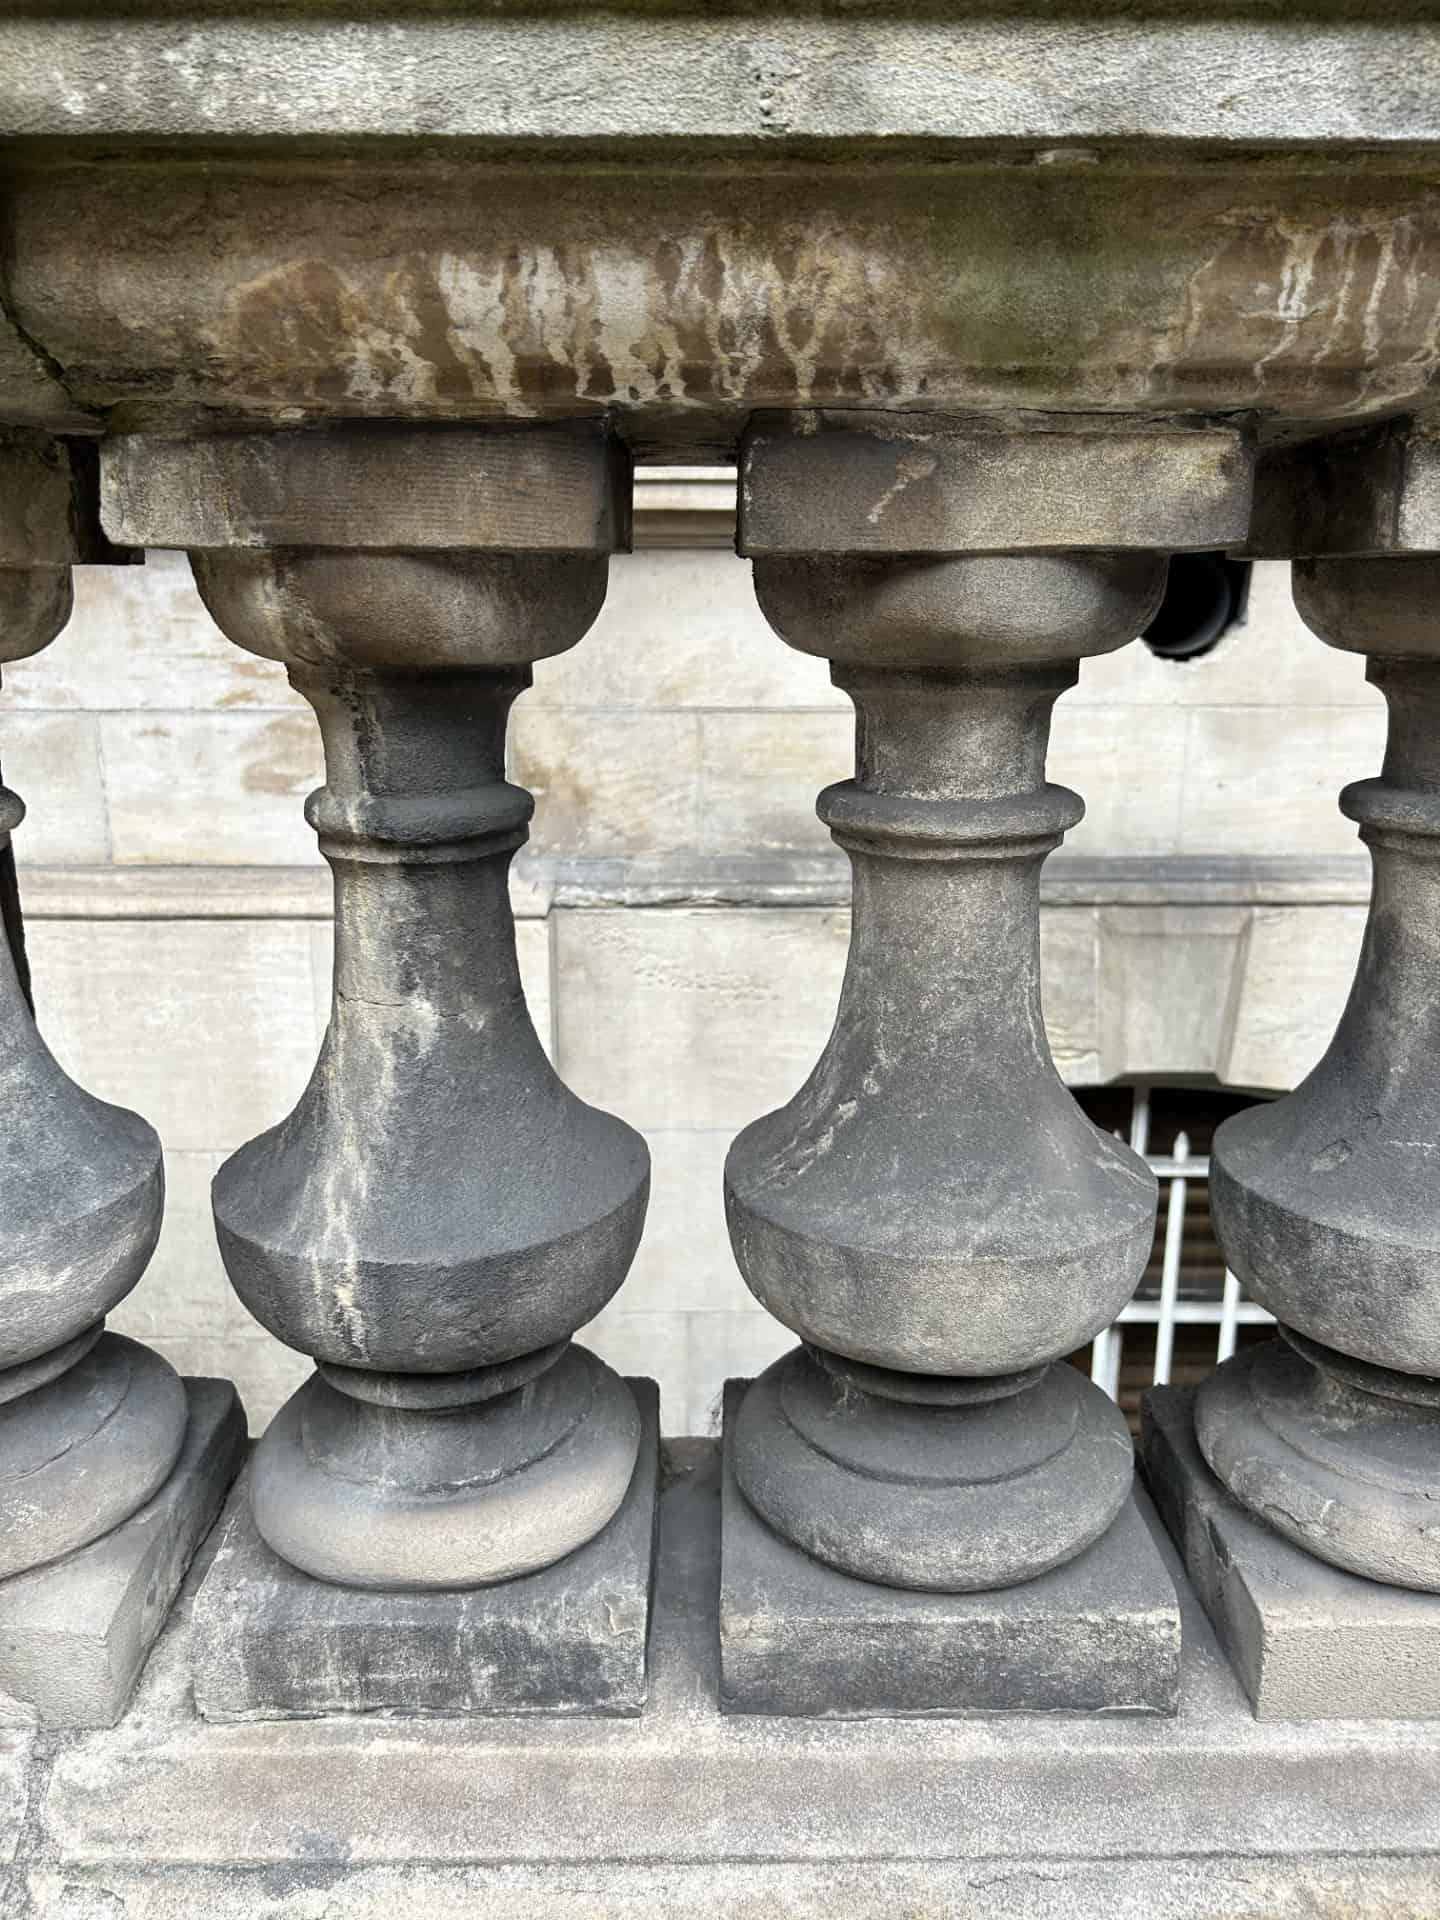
x=439 y=1212
x=1325 y=1201
x=91 y=1424
x=932 y=1213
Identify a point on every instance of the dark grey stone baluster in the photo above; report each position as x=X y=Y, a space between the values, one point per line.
x=439 y=1213
x=932 y=1213
x=1314 y=1457
x=1327 y=1203
x=90 y=1423
x=111 y=1466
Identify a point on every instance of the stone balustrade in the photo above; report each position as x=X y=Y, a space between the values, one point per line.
x=932 y=1213
x=925 y=1509
x=369 y=311
x=925 y=1477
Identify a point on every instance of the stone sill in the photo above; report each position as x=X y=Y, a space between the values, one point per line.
x=542 y=882
x=688 y=1811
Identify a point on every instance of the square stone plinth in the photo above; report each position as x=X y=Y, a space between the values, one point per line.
x=1101 y=1635
x=1307 y=1640
x=75 y=1634
x=271 y=1642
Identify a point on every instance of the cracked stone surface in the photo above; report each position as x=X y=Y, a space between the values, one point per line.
x=1308 y=1641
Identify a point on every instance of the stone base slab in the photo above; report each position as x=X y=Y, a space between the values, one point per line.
x=271 y=1642
x=1098 y=1635
x=686 y=1811
x=75 y=1634
x=1307 y=1640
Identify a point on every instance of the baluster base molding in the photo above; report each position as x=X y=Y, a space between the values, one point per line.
x=75 y=1634
x=1307 y=1640
x=359 y=1487
x=1336 y=1454
x=688 y=1811
x=938 y=1484
x=88 y=1432
x=1100 y=1634
x=271 y=1643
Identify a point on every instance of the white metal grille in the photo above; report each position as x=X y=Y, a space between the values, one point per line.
x=1176 y=1172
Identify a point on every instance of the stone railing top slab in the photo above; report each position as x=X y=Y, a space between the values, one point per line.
x=677 y=216
x=1321 y=74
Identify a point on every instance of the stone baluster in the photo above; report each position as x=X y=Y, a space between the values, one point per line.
x=439 y=1213
x=1325 y=1202
x=93 y=1426
x=932 y=1213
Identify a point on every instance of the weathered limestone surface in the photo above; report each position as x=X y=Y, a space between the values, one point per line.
x=93 y=1426
x=1026 y=215
x=74 y=1634
x=1374 y=491
x=15 y=1754
x=439 y=1213
x=1307 y=1640
x=459 y=291
x=163 y=980
x=1099 y=1634
x=751 y=74
x=829 y=481
x=686 y=1810
x=1324 y=1202
x=541 y=490
x=271 y=1643
x=932 y=1213
x=676 y=216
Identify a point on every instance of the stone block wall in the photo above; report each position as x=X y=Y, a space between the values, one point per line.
x=683 y=926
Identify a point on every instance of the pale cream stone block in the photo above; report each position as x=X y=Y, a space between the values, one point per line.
x=1295 y=976
x=1273 y=660
x=608 y=783
x=1266 y=783
x=322 y=971
x=206 y=1027
x=653 y=1344
x=725 y=1346
x=1166 y=978
x=684 y=1263
x=211 y=788
x=53 y=762
x=184 y=1290
x=682 y=630
x=1127 y=766
x=1069 y=990
x=140 y=637
x=695 y=1018
x=760 y=774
